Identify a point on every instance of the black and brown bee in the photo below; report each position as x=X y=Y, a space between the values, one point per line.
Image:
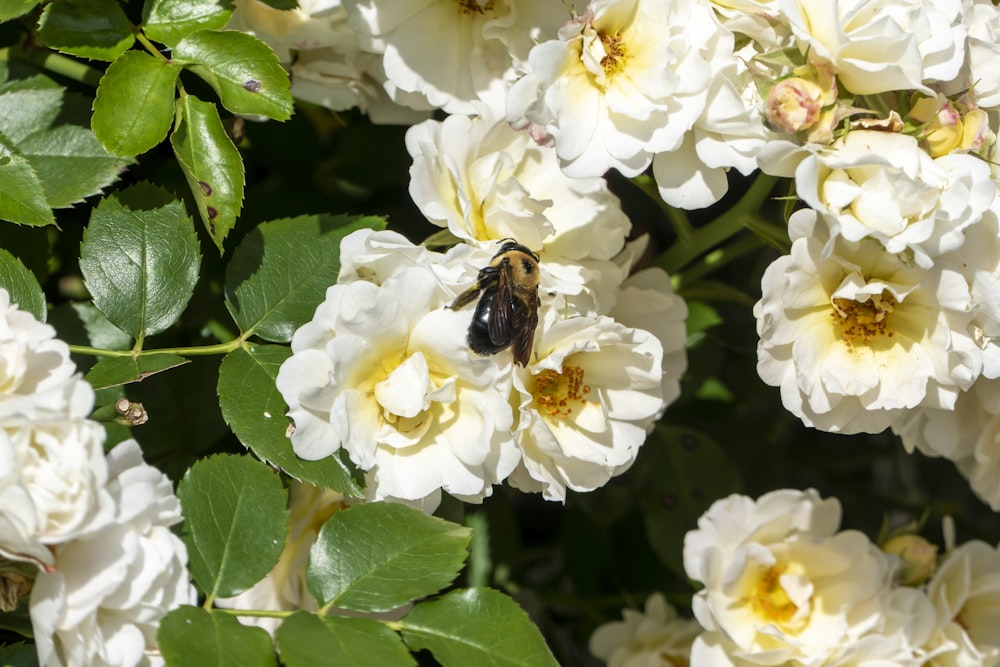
x=507 y=312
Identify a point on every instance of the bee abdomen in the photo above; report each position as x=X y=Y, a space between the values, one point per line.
x=479 y=334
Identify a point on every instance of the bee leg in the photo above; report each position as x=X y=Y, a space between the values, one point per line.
x=486 y=277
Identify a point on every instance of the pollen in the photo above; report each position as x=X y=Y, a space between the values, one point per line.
x=615 y=56
x=770 y=601
x=472 y=7
x=556 y=394
x=863 y=321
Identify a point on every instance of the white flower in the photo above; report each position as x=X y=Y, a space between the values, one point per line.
x=982 y=18
x=310 y=25
x=323 y=55
x=654 y=637
x=884 y=186
x=284 y=588
x=780 y=584
x=729 y=133
x=483 y=40
x=965 y=591
x=108 y=591
x=876 y=46
x=647 y=301
x=856 y=337
x=486 y=182
x=52 y=479
x=384 y=371
x=623 y=82
x=52 y=467
x=586 y=404
x=37 y=378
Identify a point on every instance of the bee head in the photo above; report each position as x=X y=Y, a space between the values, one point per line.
x=511 y=245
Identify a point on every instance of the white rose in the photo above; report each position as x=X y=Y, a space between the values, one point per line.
x=876 y=46
x=385 y=371
x=486 y=182
x=624 y=81
x=965 y=591
x=52 y=479
x=854 y=336
x=655 y=636
x=454 y=73
x=884 y=186
x=38 y=380
x=586 y=404
x=780 y=585
x=103 y=600
x=646 y=300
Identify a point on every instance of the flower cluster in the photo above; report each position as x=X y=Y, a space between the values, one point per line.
x=384 y=371
x=784 y=585
x=656 y=637
x=87 y=533
x=884 y=313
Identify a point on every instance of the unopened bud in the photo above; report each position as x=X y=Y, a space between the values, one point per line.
x=917 y=555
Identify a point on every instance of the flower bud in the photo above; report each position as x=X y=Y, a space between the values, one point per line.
x=798 y=102
x=918 y=557
x=948 y=126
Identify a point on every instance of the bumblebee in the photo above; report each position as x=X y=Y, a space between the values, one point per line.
x=507 y=312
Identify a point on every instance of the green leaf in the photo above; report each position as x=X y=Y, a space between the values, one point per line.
x=71 y=163
x=96 y=29
x=20 y=283
x=100 y=332
x=306 y=640
x=235 y=522
x=211 y=163
x=170 y=21
x=22 y=196
x=28 y=106
x=139 y=259
x=254 y=410
x=242 y=69
x=379 y=556
x=113 y=371
x=19 y=655
x=281 y=270
x=10 y=9
x=691 y=472
x=477 y=626
x=135 y=103
x=211 y=638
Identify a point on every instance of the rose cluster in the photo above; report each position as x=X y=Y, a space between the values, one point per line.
x=784 y=585
x=86 y=533
x=384 y=371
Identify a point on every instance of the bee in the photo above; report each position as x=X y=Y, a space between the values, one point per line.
x=507 y=312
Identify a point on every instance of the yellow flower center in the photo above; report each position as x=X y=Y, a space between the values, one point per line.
x=557 y=393
x=863 y=321
x=770 y=601
x=468 y=7
x=615 y=56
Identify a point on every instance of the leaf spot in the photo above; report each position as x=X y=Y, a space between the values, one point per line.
x=206 y=188
x=212 y=213
x=252 y=85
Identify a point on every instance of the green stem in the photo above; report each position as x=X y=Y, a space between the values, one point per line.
x=257 y=613
x=148 y=45
x=197 y=350
x=719 y=230
x=715 y=260
x=52 y=62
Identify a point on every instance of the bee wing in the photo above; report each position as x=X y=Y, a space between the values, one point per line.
x=502 y=313
x=524 y=322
